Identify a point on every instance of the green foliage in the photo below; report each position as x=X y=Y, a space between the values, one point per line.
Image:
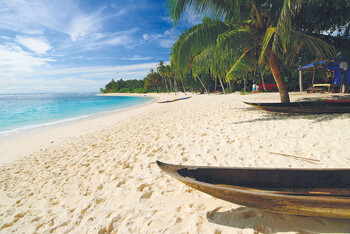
x=243 y=36
x=121 y=86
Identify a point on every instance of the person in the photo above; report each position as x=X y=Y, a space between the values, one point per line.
x=254 y=87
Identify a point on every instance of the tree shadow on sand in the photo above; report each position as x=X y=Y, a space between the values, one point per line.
x=271 y=116
x=269 y=222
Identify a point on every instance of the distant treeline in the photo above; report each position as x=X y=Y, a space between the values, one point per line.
x=163 y=80
x=125 y=86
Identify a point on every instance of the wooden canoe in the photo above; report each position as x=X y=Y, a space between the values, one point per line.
x=320 y=107
x=308 y=192
x=174 y=100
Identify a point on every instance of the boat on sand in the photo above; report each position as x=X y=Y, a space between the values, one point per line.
x=175 y=100
x=318 y=107
x=307 y=192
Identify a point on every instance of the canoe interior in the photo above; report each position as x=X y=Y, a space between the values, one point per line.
x=297 y=182
x=305 y=107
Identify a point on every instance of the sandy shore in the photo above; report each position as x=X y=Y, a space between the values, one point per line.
x=99 y=175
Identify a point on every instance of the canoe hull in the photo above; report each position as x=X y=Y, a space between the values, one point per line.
x=307 y=205
x=304 y=107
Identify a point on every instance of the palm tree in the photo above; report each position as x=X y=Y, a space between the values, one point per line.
x=161 y=71
x=169 y=73
x=250 y=32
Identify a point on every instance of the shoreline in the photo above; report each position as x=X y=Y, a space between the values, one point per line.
x=100 y=175
x=24 y=143
x=32 y=129
x=57 y=131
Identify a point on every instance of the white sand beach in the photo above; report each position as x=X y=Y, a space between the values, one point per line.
x=99 y=175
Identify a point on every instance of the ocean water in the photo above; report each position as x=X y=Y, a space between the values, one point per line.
x=19 y=112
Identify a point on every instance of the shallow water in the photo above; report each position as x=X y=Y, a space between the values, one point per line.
x=26 y=111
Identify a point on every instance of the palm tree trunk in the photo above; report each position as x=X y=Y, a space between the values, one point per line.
x=183 y=87
x=175 y=83
x=262 y=80
x=244 y=85
x=281 y=85
x=166 y=84
x=216 y=81
x=170 y=84
x=203 y=85
x=222 y=86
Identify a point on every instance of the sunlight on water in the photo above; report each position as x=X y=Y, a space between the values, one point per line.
x=24 y=111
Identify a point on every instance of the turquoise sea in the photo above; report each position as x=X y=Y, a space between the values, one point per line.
x=19 y=112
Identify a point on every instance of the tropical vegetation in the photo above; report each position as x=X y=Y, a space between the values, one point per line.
x=248 y=35
x=242 y=41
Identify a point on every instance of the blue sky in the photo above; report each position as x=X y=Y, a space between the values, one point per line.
x=75 y=46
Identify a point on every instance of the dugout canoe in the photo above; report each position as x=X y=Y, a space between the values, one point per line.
x=319 y=107
x=174 y=100
x=307 y=192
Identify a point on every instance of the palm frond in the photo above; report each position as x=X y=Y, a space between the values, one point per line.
x=192 y=42
x=231 y=9
x=284 y=25
x=270 y=32
x=235 y=38
x=314 y=45
x=242 y=66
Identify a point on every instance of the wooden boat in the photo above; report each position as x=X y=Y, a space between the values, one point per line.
x=320 y=107
x=308 y=192
x=174 y=100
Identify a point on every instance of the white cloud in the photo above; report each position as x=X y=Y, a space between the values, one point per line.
x=100 y=69
x=167 y=43
x=30 y=85
x=192 y=19
x=33 y=17
x=36 y=45
x=84 y=26
x=16 y=61
x=165 y=40
x=137 y=58
x=5 y=37
x=70 y=79
x=121 y=38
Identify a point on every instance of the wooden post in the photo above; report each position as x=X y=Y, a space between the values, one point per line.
x=301 y=80
x=313 y=77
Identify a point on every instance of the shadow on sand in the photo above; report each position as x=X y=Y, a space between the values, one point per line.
x=271 y=116
x=268 y=222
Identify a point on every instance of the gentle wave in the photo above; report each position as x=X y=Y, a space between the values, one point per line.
x=34 y=126
x=95 y=109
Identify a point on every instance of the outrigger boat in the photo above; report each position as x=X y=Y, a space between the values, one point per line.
x=307 y=192
x=319 y=107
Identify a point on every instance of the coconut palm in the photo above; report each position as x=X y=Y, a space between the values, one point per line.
x=249 y=32
x=161 y=71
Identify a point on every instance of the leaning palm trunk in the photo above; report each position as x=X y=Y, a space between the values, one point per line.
x=170 y=84
x=222 y=85
x=262 y=80
x=281 y=85
x=183 y=87
x=175 y=84
x=203 y=85
x=166 y=84
x=216 y=81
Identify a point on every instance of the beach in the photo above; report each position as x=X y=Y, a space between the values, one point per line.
x=99 y=175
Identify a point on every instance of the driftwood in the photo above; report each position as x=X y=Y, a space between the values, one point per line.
x=297 y=157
